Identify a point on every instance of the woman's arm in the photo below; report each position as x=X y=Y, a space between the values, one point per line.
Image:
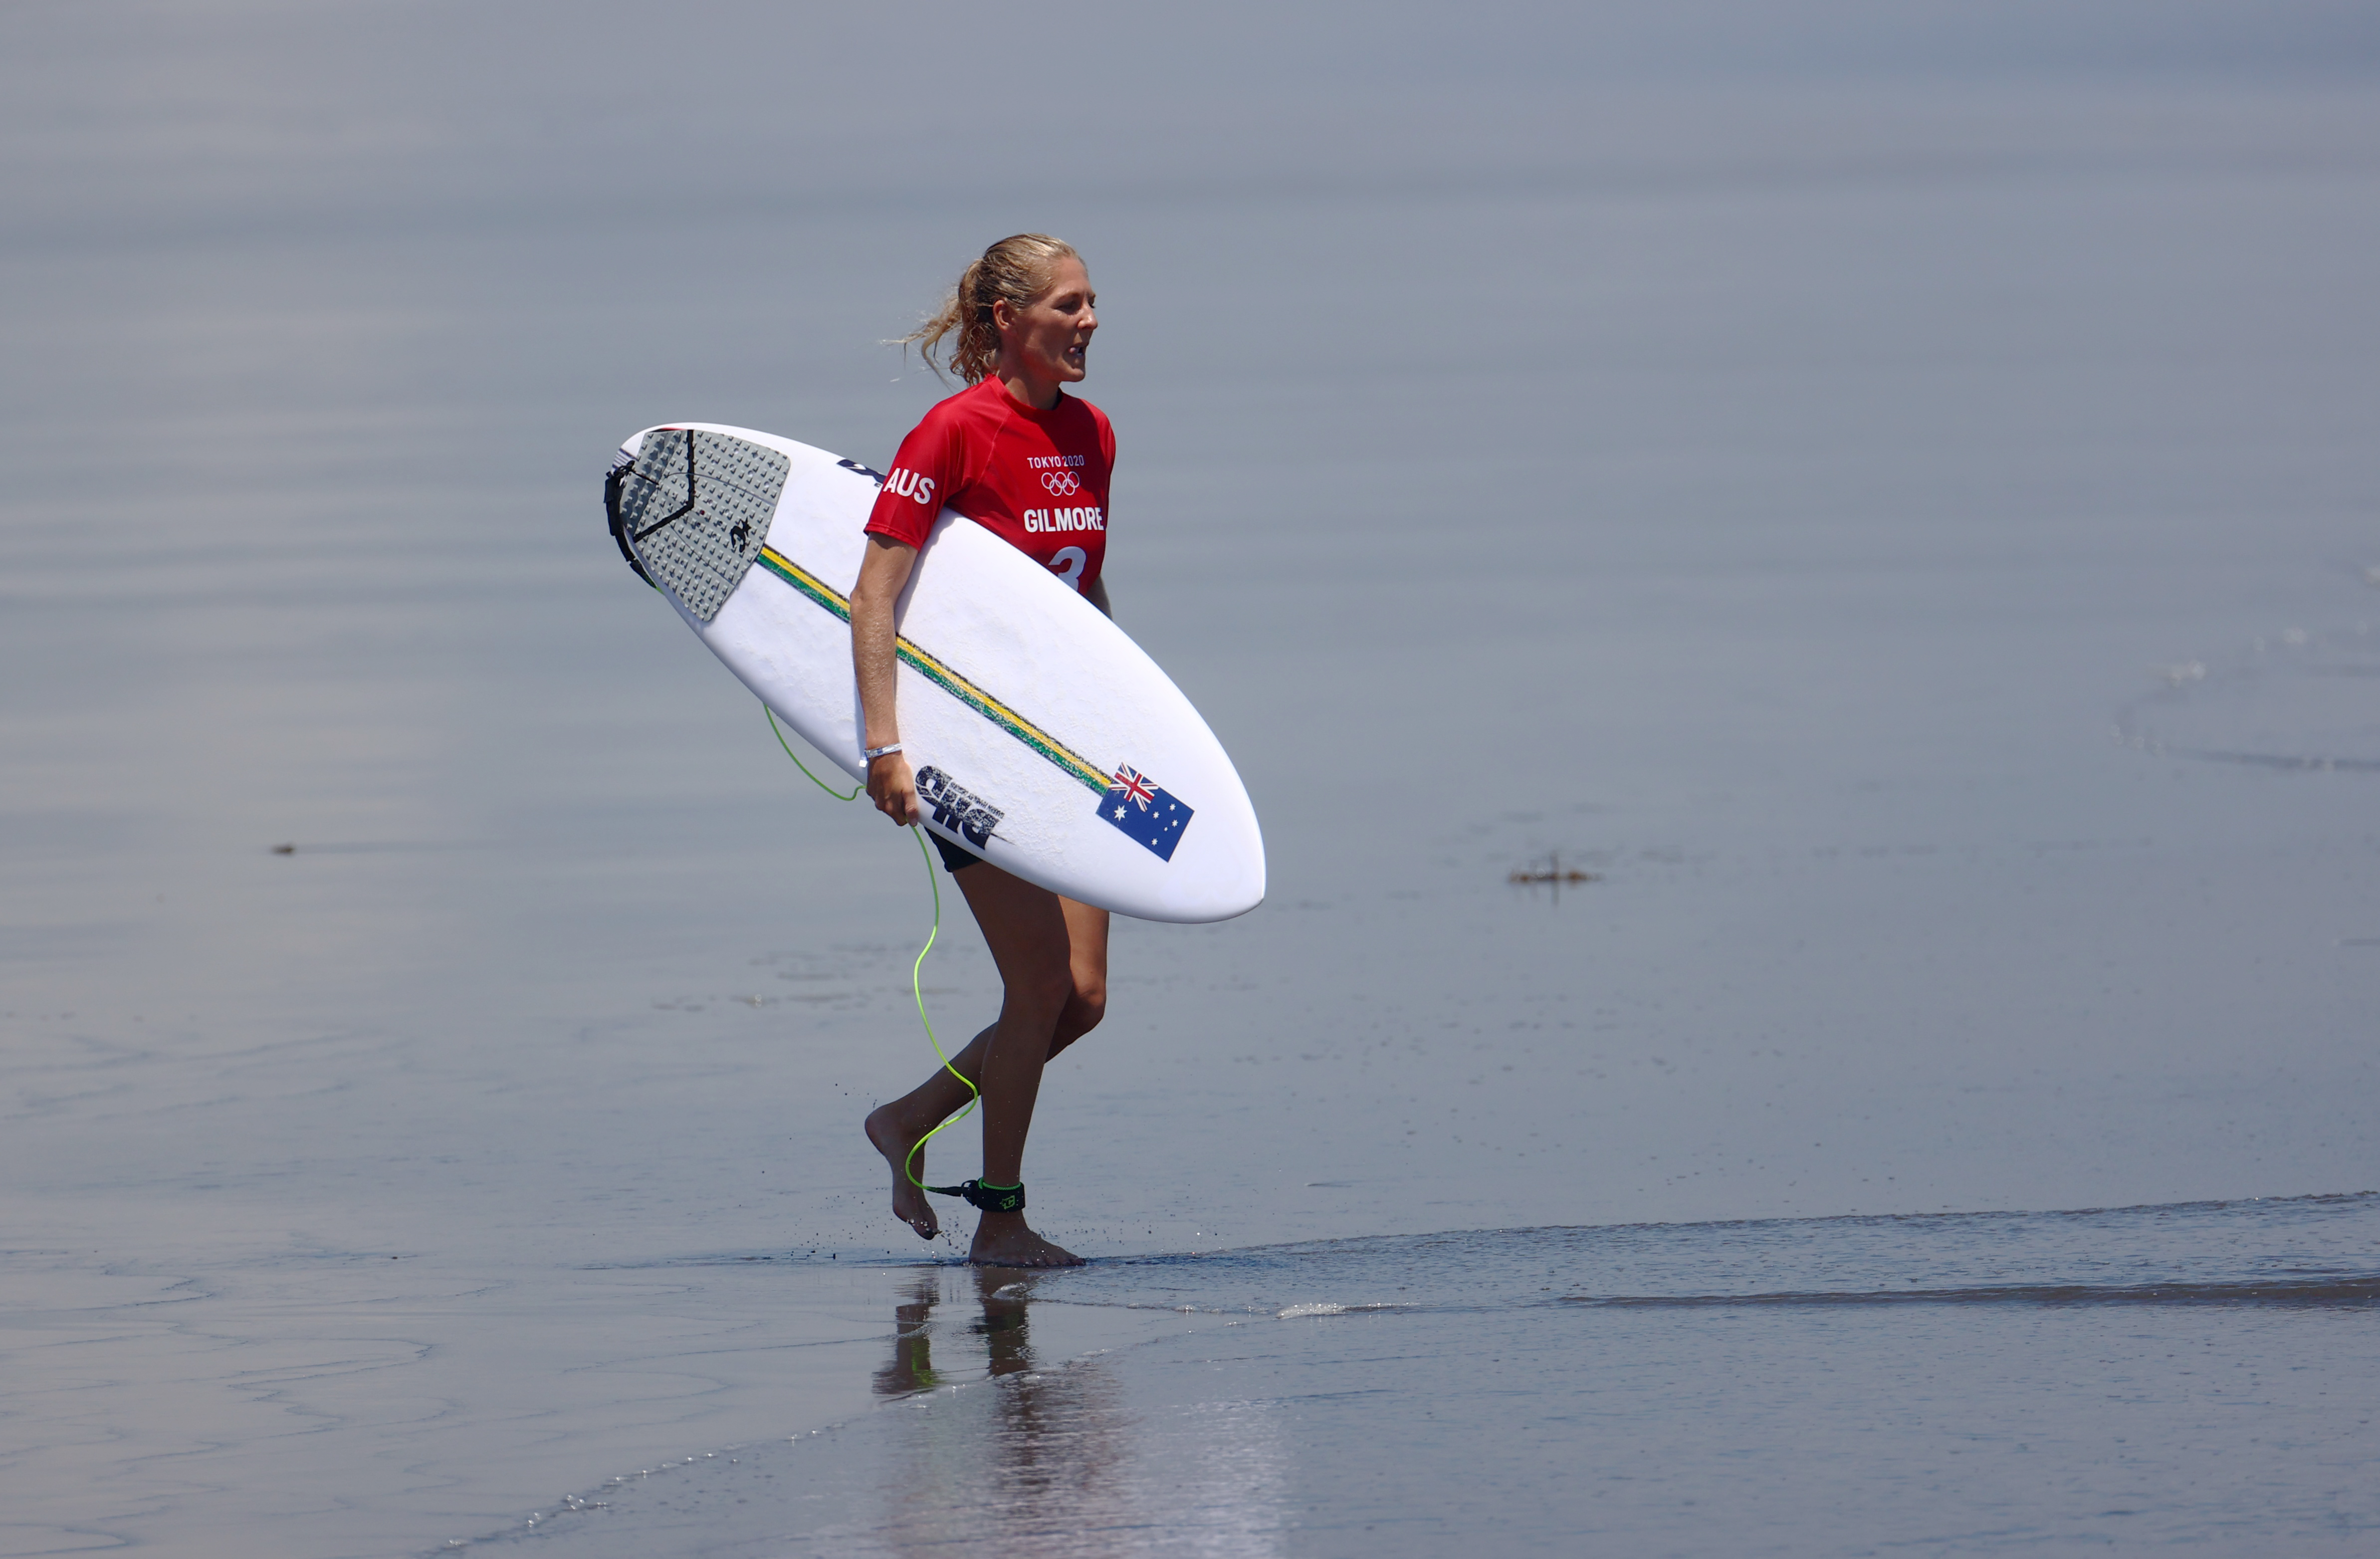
x=876 y=662
x=1097 y=596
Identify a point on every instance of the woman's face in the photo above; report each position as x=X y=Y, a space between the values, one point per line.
x=1048 y=338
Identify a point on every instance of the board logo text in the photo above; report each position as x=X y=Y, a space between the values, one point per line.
x=955 y=807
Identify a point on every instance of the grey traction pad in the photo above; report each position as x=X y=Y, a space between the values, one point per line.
x=696 y=508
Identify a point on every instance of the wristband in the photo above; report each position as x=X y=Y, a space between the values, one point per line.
x=873 y=753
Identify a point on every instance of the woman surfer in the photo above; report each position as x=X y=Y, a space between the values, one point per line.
x=1013 y=440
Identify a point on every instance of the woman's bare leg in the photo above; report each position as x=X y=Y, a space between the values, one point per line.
x=1086 y=954
x=1030 y=952
x=1024 y=927
x=898 y=1128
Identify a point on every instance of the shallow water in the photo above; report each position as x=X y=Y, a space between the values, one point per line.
x=2034 y=1382
x=1823 y=458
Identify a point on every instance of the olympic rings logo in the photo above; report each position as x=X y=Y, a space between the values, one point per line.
x=1060 y=484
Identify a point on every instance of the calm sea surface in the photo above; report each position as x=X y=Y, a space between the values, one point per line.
x=1893 y=500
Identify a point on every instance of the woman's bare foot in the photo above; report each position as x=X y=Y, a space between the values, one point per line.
x=1002 y=1240
x=887 y=1133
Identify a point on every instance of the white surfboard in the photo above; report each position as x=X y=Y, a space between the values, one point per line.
x=1041 y=736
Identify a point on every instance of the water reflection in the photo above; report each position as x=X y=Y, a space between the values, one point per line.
x=1003 y=1327
x=993 y=1448
x=912 y=1366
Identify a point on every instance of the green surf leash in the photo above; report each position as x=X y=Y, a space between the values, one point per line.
x=975 y=1095
x=992 y=1198
x=830 y=790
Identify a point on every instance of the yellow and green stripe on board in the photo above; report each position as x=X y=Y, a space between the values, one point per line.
x=940 y=673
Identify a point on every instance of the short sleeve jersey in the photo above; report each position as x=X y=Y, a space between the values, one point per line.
x=1039 y=479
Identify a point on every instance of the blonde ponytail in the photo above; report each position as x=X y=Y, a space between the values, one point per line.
x=1017 y=269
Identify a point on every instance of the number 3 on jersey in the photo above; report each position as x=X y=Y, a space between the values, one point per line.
x=1068 y=564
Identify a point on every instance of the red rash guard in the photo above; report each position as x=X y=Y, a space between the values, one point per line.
x=1038 y=479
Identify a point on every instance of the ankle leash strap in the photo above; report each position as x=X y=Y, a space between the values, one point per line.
x=990 y=1199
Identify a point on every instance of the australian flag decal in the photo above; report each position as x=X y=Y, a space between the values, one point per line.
x=1144 y=813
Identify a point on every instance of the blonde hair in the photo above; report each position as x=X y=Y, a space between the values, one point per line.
x=1017 y=268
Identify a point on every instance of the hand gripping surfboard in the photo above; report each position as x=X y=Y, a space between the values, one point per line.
x=1041 y=736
